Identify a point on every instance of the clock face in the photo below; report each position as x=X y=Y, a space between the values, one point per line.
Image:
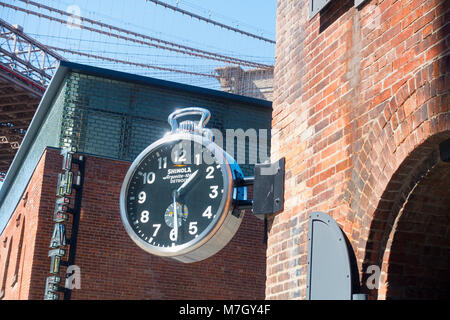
x=174 y=196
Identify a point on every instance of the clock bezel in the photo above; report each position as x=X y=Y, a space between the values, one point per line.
x=208 y=238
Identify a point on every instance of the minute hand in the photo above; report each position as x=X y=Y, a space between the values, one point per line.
x=182 y=188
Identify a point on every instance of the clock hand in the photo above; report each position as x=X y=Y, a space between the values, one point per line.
x=183 y=188
x=175 y=216
x=175 y=194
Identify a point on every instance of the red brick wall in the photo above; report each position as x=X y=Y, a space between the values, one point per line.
x=23 y=233
x=356 y=92
x=111 y=265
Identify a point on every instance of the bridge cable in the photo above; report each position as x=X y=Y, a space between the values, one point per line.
x=182 y=49
x=193 y=15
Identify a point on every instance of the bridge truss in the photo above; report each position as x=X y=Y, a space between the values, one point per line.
x=26 y=67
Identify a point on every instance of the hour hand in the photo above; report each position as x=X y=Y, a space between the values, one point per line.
x=183 y=187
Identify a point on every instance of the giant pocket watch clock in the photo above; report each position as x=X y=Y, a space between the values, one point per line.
x=178 y=197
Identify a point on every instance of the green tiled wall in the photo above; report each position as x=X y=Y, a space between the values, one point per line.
x=118 y=120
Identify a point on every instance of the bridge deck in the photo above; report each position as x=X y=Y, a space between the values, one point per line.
x=19 y=98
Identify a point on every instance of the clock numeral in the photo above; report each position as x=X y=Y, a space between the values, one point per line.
x=193 y=227
x=144 y=216
x=156 y=226
x=149 y=177
x=207 y=213
x=142 y=197
x=210 y=171
x=214 y=192
x=198 y=158
x=162 y=163
x=173 y=235
x=181 y=156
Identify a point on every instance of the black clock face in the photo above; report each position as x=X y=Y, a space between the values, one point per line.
x=174 y=194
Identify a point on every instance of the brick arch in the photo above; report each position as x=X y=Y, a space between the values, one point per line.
x=416 y=262
x=417 y=111
x=395 y=199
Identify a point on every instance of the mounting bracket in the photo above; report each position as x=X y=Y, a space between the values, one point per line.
x=268 y=189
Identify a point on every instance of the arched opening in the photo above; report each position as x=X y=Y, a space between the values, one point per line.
x=419 y=260
x=409 y=236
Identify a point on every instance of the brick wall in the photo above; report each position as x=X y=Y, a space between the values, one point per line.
x=111 y=265
x=26 y=236
x=357 y=90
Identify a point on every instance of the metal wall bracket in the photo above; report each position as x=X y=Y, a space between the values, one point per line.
x=268 y=189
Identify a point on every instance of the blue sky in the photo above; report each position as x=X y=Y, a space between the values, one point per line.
x=254 y=16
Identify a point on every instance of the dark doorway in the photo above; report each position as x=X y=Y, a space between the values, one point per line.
x=419 y=260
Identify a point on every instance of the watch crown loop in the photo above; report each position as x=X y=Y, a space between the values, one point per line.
x=191 y=126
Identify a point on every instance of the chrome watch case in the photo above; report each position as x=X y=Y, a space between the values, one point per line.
x=217 y=235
